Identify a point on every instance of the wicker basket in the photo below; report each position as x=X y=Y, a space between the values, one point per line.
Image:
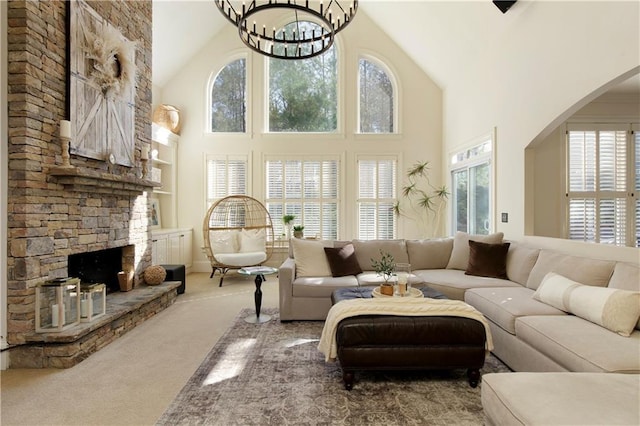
x=168 y=117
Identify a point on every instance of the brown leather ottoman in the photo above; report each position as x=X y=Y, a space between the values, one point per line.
x=390 y=342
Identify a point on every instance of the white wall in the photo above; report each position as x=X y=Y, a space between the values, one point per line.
x=546 y=65
x=420 y=125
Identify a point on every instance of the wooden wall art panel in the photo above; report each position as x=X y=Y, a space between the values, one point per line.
x=102 y=88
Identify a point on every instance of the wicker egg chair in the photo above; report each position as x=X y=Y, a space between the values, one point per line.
x=237 y=232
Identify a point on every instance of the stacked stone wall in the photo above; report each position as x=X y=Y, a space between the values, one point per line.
x=48 y=220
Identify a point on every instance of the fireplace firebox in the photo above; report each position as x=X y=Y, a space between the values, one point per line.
x=100 y=266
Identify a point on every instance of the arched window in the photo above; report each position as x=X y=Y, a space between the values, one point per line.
x=377 y=99
x=229 y=98
x=303 y=94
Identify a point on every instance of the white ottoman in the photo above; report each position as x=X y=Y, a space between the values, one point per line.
x=561 y=398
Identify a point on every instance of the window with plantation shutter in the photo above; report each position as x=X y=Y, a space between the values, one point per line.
x=376 y=197
x=307 y=189
x=226 y=175
x=602 y=183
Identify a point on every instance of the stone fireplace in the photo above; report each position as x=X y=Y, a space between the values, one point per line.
x=57 y=213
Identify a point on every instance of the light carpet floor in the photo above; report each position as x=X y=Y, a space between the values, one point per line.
x=133 y=380
x=275 y=375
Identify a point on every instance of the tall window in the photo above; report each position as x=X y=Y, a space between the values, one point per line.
x=229 y=98
x=376 y=103
x=471 y=185
x=226 y=175
x=303 y=94
x=376 y=198
x=603 y=163
x=307 y=189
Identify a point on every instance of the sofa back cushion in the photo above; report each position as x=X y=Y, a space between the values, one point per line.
x=584 y=270
x=520 y=261
x=370 y=249
x=626 y=276
x=460 y=253
x=429 y=254
x=310 y=258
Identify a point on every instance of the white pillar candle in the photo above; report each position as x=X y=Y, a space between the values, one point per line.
x=145 y=152
x=54 y=315
x=65 y=129
x=83 y=308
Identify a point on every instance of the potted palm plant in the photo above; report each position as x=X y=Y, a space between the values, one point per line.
x=385 y=268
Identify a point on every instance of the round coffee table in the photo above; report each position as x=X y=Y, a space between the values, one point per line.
x=259 y=272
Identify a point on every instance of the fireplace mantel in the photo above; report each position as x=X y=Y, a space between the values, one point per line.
x=83 y=179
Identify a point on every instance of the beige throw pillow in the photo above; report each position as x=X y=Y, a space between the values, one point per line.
x=310 y=258
x=460 y=254
x=616 y=310
x=252 y=240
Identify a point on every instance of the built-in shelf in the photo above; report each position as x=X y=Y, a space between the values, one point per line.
x=81 y=178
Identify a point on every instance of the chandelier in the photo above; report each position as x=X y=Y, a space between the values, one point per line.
x=288 y=29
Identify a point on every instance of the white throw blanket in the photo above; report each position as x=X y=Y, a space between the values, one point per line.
x=407 y=306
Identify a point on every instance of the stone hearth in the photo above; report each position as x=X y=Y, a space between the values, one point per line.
x=67 y=348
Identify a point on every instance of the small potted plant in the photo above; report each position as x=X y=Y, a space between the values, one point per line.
x=298 y=231
x=287 y=220
x=385 y=268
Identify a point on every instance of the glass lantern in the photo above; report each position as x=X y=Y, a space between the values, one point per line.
x=93 y=301
x=57 y=304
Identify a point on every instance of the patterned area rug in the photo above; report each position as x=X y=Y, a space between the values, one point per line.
x=273 y=374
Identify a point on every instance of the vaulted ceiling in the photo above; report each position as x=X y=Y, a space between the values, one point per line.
x=442 y=37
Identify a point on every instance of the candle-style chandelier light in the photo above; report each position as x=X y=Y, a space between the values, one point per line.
x=288 y=29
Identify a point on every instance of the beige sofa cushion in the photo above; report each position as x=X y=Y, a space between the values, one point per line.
x=520 y=261
x=429 y=254
x=584 y=270
x=310 y=258
x=453 y=283
x=321 y=286
x=370 y=249
x=616 y=310
x=502 y=305
x=460 y=253
x=580 y=345
x=626 y=276
x=560 y=399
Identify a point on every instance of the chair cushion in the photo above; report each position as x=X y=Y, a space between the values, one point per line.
x=223 y=241
x=241 y=259
x=252 y=240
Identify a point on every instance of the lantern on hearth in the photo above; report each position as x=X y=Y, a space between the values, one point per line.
x=57 y=304
x=93 y=301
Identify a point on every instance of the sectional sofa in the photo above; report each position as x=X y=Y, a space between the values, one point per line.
x=548 y=310
x=529 y=334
